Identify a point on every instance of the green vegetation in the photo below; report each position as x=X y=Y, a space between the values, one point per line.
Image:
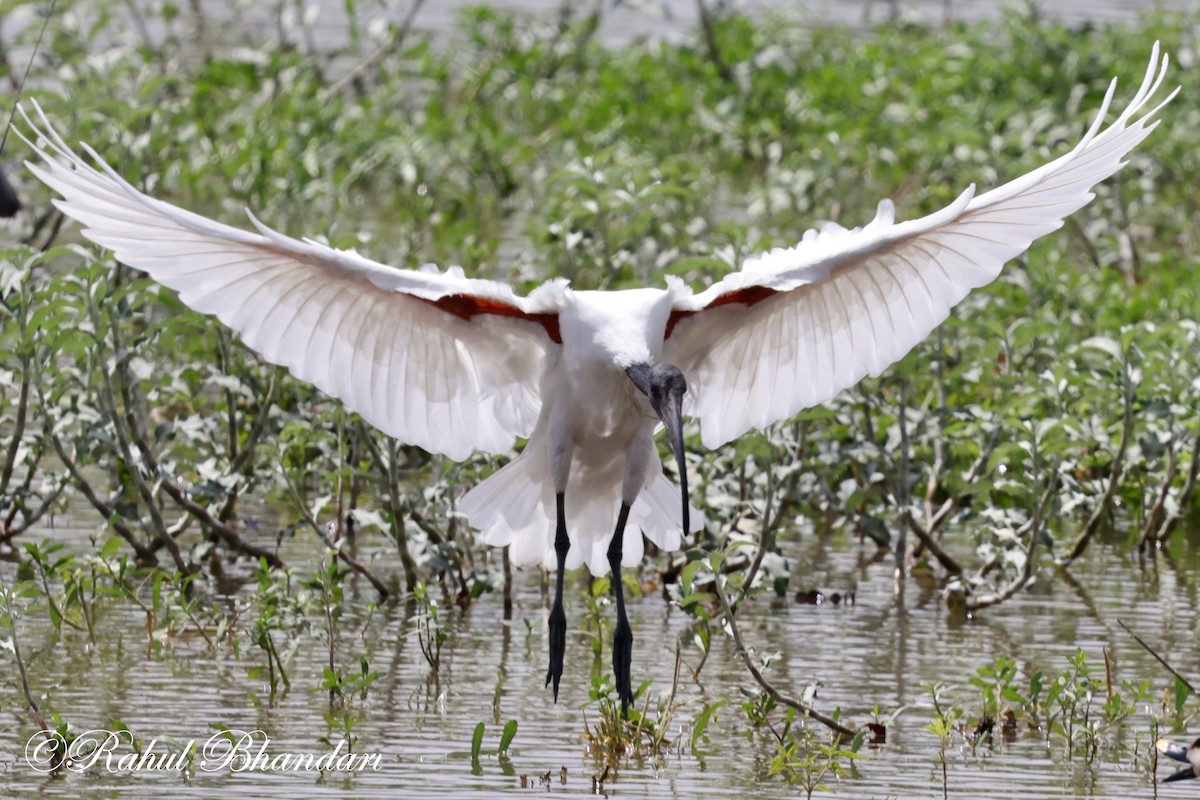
x=1055 y=407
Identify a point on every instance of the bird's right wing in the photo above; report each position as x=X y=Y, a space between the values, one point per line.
x=798 y=325
x=433 y=358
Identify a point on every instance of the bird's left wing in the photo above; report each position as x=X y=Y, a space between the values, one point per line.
x=798 y=325
x=433 y=358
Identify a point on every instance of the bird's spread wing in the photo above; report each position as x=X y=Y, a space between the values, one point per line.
x=798 y=325
x=435 y=359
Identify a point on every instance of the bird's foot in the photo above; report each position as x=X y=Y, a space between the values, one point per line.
x=558 y=646
x=622 y=663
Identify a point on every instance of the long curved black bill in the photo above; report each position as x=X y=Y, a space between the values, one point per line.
x=1182 y=775
x=671 y=413
x=665 y=387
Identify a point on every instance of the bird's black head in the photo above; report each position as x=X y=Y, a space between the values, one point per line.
x=663 y=384
x=665 y=387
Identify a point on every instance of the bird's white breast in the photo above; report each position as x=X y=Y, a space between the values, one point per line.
x=591 y=402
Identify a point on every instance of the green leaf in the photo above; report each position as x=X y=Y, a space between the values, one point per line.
x=701 y=723
x=696 y=597
x=509 y=733
x=110 y=548
x=1181 y=695
x=688 y=574
x=476 y=742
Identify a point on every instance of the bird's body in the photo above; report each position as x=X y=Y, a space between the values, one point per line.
x=454 y=364
x=594 y=440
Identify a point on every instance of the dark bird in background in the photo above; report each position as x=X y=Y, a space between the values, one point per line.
x=9 y=202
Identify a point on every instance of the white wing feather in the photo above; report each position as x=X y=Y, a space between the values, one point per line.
x=356 y=329
x=798 y=325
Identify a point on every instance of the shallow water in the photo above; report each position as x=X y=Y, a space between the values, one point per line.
x=880 y=650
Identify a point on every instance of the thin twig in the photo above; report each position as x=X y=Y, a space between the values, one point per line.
x=355 y=75
x=18 y=429
x=248 y=449
x=388 y=468
x=1185 y=495
x=707 y=25
x=108 y=401
x=1132 y=267
x=29 y=518
x=778 y=696
x=1158 y=511
x=312 y=523
x=953 y=504
x=900 y=487
x=939 y=443
x=1034 y=528
x=1118 y=466
x=32 y=707
x=227 y=534
x=766 y=535
x=1157 y=657
x=948 y=562
x=925 y=533
x=144 y=554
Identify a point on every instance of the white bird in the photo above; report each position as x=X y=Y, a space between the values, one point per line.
x=454 y=364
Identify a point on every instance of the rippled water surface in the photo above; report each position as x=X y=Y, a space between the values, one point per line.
x=878 y=651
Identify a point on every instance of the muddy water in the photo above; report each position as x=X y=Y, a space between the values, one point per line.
x=880 y=651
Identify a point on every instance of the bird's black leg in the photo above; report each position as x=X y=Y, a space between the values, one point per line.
x=622 y=636
x=558 y=617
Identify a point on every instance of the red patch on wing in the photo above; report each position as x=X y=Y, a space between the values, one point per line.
x=747 y=296
x=465 y=306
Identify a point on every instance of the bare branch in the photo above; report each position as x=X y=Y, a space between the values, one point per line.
x=1185 y=495
x=144 y=554
x=767 y=687
x=227 y=534
x=1114 y=478
x=707 y=26
x=120 y=422
x=393 y=44
x=388 y=467
x=18 y=429
x=1033 y=529
x=317 y=528
x=1158 y=511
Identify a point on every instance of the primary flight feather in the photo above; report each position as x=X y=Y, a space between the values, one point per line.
x=454 y=364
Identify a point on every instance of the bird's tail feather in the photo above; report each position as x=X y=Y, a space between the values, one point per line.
x=509 y=508
x=515 y=506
